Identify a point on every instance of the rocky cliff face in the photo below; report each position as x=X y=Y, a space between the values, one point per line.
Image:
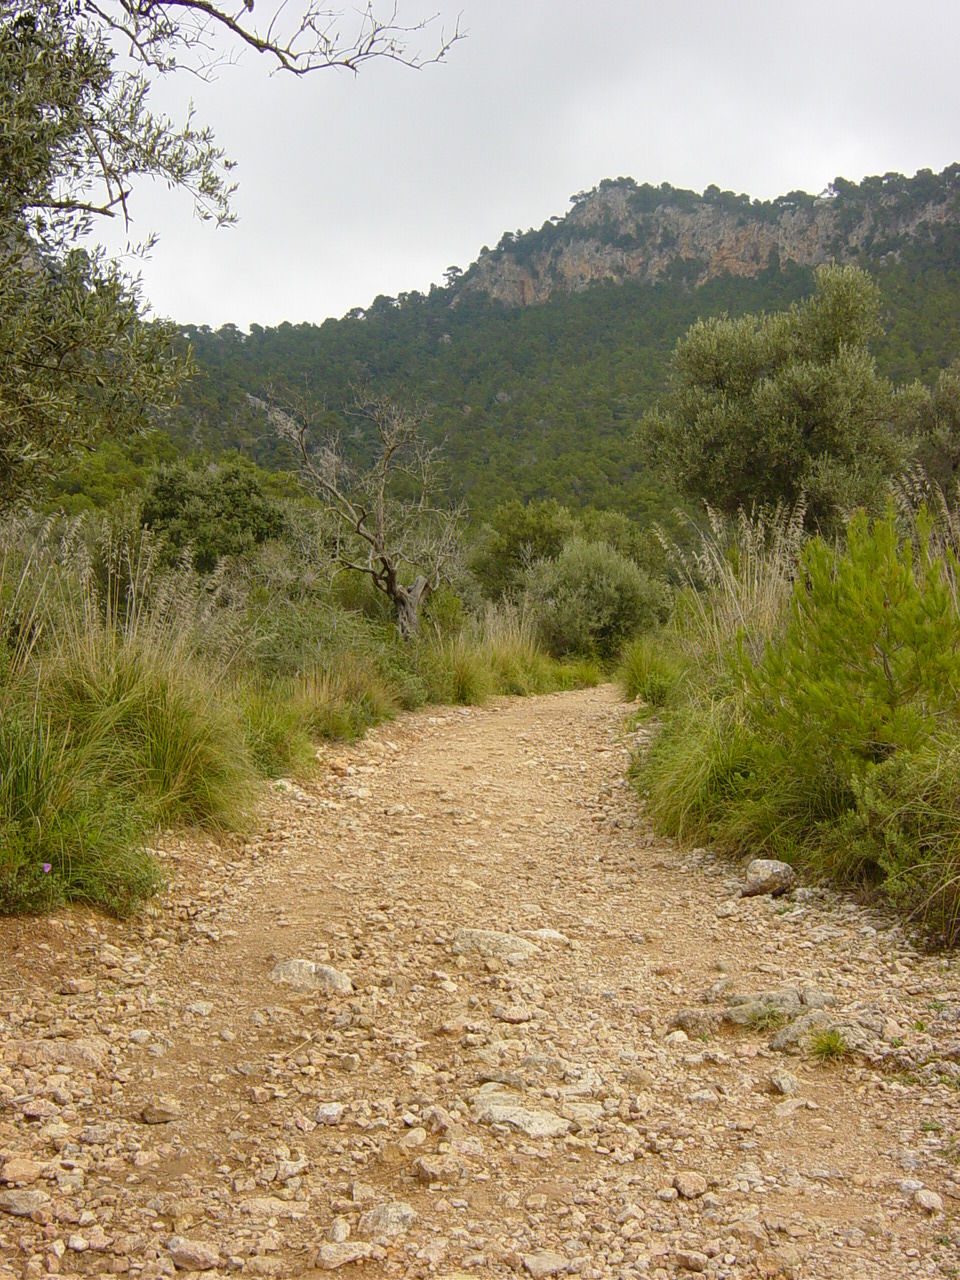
x=622 y=231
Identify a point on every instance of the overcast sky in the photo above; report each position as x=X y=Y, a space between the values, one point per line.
x=356 y=186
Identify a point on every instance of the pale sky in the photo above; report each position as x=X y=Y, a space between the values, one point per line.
x=356 y=186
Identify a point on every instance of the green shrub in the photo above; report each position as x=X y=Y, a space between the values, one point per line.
x=592 y=599
x=837 y=748
x=65 y=833
x=219 y=510
x=273 y=732
x=648 y=671
x=868 y=667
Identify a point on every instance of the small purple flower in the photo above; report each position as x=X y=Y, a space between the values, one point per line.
x=47 y=867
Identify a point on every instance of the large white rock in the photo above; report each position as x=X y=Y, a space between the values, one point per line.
x=305 y=975
x=493 y=944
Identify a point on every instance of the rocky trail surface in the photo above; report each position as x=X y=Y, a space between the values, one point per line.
x=452 y=1010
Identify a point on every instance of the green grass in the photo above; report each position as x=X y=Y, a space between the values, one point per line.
x=828 y=1045
x=649 y=671
x=768 y=1020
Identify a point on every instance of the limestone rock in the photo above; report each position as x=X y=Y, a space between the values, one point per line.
x=23 y=1204
x=928 y=1201
x=690 y=1184
x=492 y=944
x=332 y=1256
x=789 y=1039
x=543 y=1264
x=690 y=1260
x=445 y=1169
x=20 y=1173
x=161 y=1111
x=533 y=1122
x=391 y=1219
x=767 y=875
x=193 y=1255
x=305 y=975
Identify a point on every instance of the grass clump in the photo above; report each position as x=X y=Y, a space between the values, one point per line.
x=768 y=1019
x=275 y=738
x=154 y=721
x=66 y=833
x=343 y=700
x=648 y=671
x=828 y=1045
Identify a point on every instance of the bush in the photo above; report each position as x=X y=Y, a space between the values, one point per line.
x=591 y=599
x=837 y=748
x=648 y=671
x=220 y=510
x=65 y=833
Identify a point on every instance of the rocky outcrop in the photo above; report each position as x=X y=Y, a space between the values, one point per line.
x=622 y=231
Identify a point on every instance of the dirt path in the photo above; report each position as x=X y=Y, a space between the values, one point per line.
x=478 y=1104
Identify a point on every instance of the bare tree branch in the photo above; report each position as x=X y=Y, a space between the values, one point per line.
x=389 y=525
x=300 y=39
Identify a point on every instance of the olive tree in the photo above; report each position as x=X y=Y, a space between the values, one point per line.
x=764 y=408
x=77 y=359
x=388 y=520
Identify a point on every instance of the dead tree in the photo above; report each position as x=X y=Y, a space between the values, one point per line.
x=387 y=521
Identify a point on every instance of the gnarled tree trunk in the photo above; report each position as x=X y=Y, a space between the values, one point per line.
x=407 y=602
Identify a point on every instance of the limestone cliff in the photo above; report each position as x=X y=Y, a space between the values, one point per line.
x=625 y=231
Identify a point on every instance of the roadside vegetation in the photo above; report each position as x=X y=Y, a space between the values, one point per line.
x=139 y=692
x=808 y=697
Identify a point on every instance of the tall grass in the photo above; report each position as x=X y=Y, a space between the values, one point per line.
x=135 y=697
x=817 y=709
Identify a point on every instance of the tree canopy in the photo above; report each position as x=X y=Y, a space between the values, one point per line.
x=77 y=359
x=765 y=408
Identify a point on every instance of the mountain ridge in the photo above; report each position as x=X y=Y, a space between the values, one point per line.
x=622 y=230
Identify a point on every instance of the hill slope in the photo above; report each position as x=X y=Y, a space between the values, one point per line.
x=540 y=400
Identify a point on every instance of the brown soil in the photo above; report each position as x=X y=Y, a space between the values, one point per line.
x=678 y=1155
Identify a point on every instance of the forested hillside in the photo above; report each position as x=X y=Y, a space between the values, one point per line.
x=541 y=400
